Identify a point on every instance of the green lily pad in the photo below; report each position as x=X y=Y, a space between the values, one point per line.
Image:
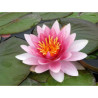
x=91 y=57
x=90 y=16
x=17 y=22
x=12 y=70
x=29 y=82
x=35 y=79
x=84 y=79
x=53 y=15
x=42 y=77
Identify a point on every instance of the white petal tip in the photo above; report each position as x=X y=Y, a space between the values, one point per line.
x=74 y=34
x=85 y=55
x=75 y=74
x=18 y=57
x=86 y=42
x=56 y=22
x=26 y=35
x=38 y=27
x=22 y=46
x=44 y=26
x=59 y=77
x=60 y=81
x=69 y=25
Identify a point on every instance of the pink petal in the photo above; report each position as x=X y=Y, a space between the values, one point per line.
x=48 y=55
x=40 y=68
x=28 y=39
x=55 y=66
x=42 y=37
x=56 y=27
x=39 y=30
x=26 y=48
x=65 y=55
x=67 y=43
x=53 y=33
x=24 y=56
x=69 y=40
x=78 y=45
x=43 y=61
x=30 y=50
x=58 y=76
x=78 y=65
x=34 y=38
x=66 y=30
x=31 y=61
x=69 y=68
x=77 y=56
x=57 y=59
x=46 y=31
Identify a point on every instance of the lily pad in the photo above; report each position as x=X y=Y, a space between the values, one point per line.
x=42 y=77
x=84 y=79
x=90 y=16
x=17 y=22
x=12 y=71
x=29 y=82
x=54 y=15
x=35 y=79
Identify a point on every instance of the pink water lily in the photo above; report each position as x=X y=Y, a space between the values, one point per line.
x=54 y=50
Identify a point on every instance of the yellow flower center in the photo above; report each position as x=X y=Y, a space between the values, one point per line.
x=49 y=45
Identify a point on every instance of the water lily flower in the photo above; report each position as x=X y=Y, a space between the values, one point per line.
x=55 y=50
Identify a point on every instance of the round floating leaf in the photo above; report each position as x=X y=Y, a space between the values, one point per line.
x=35 y=79
x=12 y=71
x=10 y=17
x=29 y=82
x=84 y=79
x=17 y=22
x=39 y=77
x=91 y=57
x=90 y=16
x=53 y=15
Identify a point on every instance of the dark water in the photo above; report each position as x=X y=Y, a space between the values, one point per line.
x=92 y=62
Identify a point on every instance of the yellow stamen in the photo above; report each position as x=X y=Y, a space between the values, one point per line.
x=50 y=45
